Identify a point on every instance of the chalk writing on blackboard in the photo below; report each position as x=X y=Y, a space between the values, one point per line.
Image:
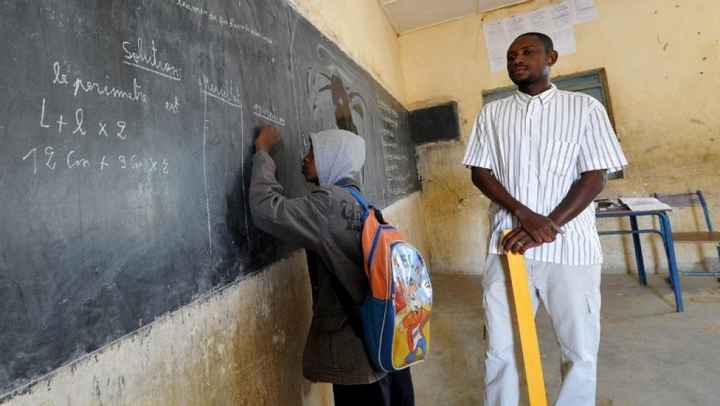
x=227 y=94
x=221 y=20
x=147 y=59
x=387 y=109
x=117 y=128
x=79 y=84
x=397 y=178
x=268 y=115
x=45 y=158
x=173 y=106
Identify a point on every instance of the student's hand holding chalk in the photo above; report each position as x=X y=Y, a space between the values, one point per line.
x=269 y=136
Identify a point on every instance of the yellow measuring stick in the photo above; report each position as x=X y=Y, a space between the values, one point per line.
x=525 y=322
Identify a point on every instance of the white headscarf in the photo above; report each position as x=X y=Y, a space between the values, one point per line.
x=339 y=154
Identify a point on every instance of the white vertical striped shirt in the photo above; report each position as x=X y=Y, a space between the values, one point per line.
x=537 y=147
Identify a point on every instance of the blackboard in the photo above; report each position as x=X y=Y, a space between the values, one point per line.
x=127 y=129
x=435 y=123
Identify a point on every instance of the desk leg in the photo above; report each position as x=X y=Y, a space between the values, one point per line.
x=666 y=230
x=638 y=251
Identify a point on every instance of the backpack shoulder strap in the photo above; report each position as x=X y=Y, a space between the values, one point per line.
x=343 y=295
x=355 y=192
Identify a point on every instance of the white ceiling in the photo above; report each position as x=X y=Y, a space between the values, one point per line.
x=409 y=15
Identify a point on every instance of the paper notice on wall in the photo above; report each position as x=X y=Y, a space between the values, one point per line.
x=516 y=25
x=539 y=20
x=562 y=16
x=564 y=41
x=495 y=36
x=585 y=11
x=557 y=21
x=497 y=43
x=498 y=62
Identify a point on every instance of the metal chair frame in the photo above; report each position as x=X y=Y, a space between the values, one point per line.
x=693 y=198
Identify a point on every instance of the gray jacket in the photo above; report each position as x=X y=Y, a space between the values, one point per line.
x=327 y=222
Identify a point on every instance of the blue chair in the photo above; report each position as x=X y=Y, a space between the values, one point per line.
x=689 y=200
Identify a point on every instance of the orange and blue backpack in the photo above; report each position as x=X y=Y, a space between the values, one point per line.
x=395 y=316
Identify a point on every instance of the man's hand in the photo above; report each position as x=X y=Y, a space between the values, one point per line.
x=518 y=241
x=267 y=139
x=534 y=231
x=542 y=229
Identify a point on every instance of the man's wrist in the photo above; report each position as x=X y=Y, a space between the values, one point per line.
x=556 y=223
x=519 y=211
x=556 y=227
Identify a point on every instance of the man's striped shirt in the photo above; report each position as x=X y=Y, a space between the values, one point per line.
x=537 y=147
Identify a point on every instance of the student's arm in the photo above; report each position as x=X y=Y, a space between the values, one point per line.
x=299 y=220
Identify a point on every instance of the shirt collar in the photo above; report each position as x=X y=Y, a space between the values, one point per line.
x=544 y=97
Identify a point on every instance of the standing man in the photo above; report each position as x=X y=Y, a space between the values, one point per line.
x=328 y=224
x=541 y=156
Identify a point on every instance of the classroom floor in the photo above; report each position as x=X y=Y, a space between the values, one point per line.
x=649 y=355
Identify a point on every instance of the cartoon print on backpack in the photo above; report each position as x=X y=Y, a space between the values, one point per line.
x=413 y=303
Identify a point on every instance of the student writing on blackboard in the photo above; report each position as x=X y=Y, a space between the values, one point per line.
x=328 y=223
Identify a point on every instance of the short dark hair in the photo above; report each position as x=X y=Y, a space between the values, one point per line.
x=546 y=40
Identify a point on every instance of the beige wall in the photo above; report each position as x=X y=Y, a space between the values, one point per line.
x=663 y=65
x=408 y=215
x=360 y=28
x=241 y=345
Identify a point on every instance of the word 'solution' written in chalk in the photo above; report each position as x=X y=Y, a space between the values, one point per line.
x=147 y=59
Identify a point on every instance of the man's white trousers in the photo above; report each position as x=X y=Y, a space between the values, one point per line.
x=571 y=296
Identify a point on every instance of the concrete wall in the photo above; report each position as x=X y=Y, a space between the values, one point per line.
x=238 y=346
x=663 y=65
x=360 y=29
x=241 y=345
x=408 y=216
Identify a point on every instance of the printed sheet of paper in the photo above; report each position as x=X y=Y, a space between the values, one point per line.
x=564 y=41
x=516 y=25
x=585 y=11
x=497 y=43
x=644 y=203
x=562 y=16
x=558 y=21
x=539 y=20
